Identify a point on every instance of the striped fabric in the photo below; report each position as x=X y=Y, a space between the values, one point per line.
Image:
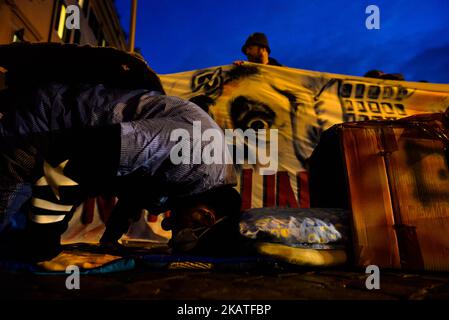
x=190 y=265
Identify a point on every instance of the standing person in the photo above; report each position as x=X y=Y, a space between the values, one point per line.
x=257 y=50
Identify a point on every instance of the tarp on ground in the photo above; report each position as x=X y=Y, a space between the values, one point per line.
x=300 y=104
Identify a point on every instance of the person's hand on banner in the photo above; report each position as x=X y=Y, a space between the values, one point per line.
x=239 y=62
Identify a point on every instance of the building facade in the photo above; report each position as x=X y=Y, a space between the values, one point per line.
x=45 y=21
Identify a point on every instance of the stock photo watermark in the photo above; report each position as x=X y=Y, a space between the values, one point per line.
x=373 y=280
x=72 y=282
x=72 y=20
x=372 y=22
x=237 y=146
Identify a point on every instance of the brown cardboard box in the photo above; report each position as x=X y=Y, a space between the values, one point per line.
x=397 y=183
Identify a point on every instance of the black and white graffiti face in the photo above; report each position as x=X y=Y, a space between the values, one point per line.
x=253 y=102
x=245 y=98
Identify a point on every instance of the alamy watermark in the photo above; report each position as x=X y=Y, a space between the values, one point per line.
x=373 y=20
x=235 y=146
x=373 y=280
x=73 y=17
x=73 y=280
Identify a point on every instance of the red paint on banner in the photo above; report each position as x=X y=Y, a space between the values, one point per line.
x=285 y=195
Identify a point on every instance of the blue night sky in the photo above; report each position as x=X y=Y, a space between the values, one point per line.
x=329 y=36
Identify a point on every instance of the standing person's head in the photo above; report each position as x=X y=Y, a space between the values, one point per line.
x=256 y=48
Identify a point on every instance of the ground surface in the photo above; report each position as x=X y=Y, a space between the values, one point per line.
x=211 y=285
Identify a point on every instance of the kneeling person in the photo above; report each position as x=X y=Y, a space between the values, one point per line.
x=122 y=148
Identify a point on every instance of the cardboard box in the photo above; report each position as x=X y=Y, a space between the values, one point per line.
x=396 y=179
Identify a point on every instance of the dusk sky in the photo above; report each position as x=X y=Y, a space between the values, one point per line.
x=326 y=35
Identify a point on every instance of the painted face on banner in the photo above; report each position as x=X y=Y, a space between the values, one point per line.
x=255 y=102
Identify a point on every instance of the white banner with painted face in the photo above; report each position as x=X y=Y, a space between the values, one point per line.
x=300 y=104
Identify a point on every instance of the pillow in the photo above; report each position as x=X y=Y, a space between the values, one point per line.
x=316 y=228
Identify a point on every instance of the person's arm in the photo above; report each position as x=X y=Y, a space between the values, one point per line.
x=125 y=212
x=135 y=193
